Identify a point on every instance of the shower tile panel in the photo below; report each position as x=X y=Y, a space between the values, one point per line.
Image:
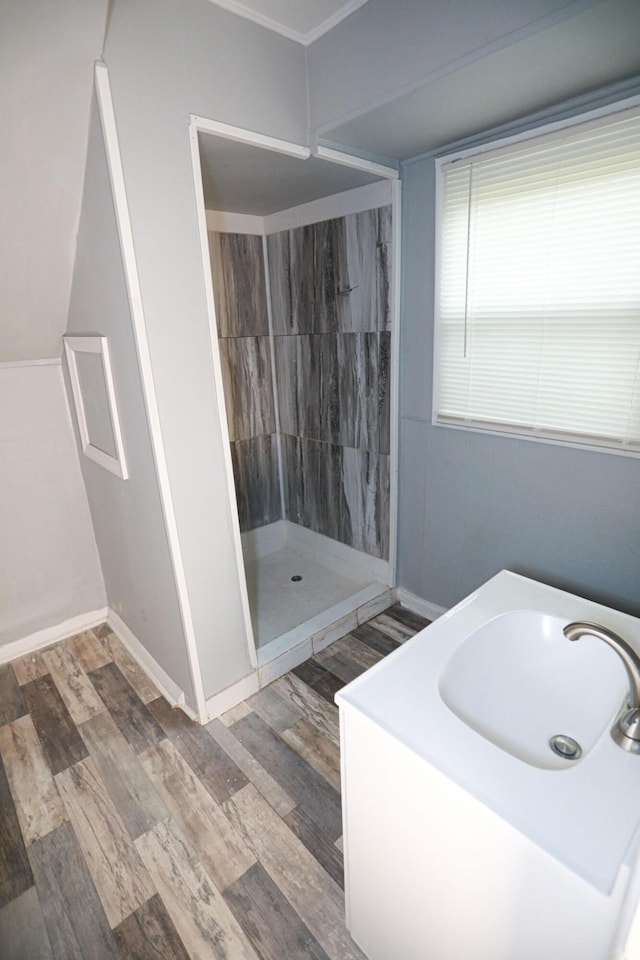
x=308 y=385
x=314 y=497
x=332 y=276
x=368 y=252
x=239 y=288
x=338 y=491
x=291 y=255
x=335 y=388
x=248 y=388
x=331 y=282
x=280 y=285
x=365 y=480
x=257 y=481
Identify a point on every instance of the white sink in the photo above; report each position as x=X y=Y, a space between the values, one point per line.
x=464 y=834
x=519 y=682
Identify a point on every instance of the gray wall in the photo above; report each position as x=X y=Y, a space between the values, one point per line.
x=167 y=60
x=472 y=504
x=127 y=514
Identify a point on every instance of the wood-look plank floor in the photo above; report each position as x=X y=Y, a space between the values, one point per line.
x=129 y=832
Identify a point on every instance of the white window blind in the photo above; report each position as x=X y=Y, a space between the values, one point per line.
x=539 y=291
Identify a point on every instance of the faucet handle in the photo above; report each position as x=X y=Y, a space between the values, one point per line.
x=626 y=731
x=629 y=724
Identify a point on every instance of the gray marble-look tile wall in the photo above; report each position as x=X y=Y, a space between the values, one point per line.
x=257 y=481
x=338 y=491
x=330 y=314
x=332 y=276
x=330 y=301
x=237 y=267
x=335 y=388
x=248 y=386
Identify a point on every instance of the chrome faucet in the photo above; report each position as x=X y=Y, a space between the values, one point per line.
x=626 y=730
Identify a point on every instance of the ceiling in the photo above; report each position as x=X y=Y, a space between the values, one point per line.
x=593 y=49
x=241 y=178
x=300 y=20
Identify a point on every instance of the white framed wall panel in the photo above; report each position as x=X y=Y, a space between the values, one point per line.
x=97 y=346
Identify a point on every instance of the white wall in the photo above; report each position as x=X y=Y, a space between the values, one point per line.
x=127 y=514
x=167 y=60
x=49 y=567
x=46 y=57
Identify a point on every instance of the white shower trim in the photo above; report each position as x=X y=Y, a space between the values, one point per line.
x=357 y=200
x=230 y=131
x=48 y=635
x=357 y=163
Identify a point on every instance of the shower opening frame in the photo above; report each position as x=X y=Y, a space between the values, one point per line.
x=197 y=125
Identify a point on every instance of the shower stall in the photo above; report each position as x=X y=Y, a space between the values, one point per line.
x=304 y=330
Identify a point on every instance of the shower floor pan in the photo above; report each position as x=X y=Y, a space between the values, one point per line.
x=306 y=591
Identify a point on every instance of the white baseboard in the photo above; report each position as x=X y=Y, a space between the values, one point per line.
x=232 y=696
x=167 y=687
x=431 y=611
x=47 y=636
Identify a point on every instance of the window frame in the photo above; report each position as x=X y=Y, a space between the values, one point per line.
x=477 y=148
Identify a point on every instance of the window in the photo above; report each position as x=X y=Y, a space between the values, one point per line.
x=538 y=306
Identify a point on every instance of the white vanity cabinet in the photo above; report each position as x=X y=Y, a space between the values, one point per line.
x=431 y=874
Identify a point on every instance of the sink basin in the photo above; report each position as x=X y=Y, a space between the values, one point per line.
x=519 y=682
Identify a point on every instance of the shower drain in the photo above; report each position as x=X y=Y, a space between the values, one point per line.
x=566 y=747
x=296 y=578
